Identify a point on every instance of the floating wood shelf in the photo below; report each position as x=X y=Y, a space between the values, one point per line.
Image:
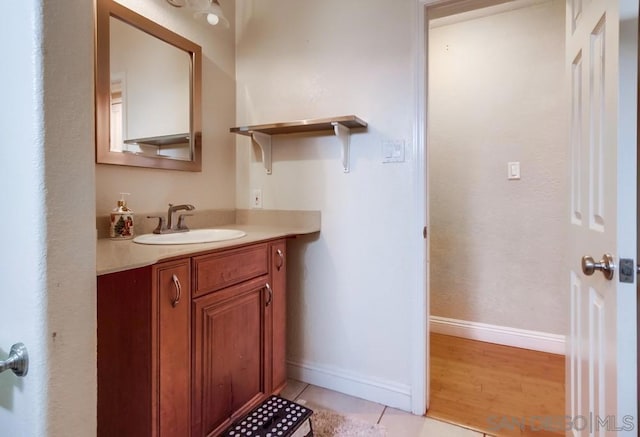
x=341 y=127
x=164 y=140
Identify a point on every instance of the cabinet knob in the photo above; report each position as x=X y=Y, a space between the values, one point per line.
x=176 y=283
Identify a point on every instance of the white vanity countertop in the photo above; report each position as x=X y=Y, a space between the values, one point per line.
x=119 y=255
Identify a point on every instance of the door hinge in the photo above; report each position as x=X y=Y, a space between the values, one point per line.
x=627 y=270
x=424 y=232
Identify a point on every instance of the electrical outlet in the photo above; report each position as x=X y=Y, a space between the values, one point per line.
x=256 y=198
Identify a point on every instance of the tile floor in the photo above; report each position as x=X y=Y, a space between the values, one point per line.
x=397 y=423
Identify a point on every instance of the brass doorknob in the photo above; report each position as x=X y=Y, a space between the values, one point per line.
x=606 y=266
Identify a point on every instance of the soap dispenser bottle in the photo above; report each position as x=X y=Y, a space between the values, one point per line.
x=121 y=223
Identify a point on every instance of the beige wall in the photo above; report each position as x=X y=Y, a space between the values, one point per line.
x=350 y=287
x=70 y=300
x=496 y=95
x=151 y=189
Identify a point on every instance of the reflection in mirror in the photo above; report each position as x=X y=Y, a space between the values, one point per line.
x=143 y=120
x=147 y=93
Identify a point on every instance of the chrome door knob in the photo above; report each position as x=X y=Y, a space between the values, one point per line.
x=606 y=265
x=18 y=360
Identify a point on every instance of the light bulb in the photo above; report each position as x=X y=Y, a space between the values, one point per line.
x=213 y=19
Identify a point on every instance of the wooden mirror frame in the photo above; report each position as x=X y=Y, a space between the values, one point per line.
x=109 y=8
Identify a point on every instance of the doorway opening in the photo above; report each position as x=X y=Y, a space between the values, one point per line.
x=497 y=160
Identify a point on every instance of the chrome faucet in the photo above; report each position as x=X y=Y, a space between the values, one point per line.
x=171 y=227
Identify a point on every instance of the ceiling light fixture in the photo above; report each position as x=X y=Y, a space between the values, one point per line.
x=208 y=9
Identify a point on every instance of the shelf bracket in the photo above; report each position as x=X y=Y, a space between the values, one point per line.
x=344 y=133
x=264 y=141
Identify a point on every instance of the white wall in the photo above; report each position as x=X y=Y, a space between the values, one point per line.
x=152 y=189
x=48 y=247
x=350 y=287
x=496 y=94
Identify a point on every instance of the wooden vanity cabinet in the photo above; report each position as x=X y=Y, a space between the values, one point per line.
x=144 y=351
x=187 y=347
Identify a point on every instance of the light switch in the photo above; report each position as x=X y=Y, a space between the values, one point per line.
x=393 y=151
x=513 y=170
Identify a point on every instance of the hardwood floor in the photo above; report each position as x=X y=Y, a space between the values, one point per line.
x=495 y=389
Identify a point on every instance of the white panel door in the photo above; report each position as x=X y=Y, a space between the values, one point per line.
x=602 y=61
x=22 y=246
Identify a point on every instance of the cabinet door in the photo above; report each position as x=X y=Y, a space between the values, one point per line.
x=229 y=351
x=279 y=314
x=172 y=366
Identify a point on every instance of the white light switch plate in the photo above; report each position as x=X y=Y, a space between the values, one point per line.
x=393 y=151
x=513 y=170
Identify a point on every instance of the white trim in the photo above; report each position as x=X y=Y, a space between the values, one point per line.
x=419 y=341
x=383 y=392
x=522 y=338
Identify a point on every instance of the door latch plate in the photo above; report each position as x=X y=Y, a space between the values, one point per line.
x=627 y=269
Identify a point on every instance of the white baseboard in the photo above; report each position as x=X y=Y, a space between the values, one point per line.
x=399 y=395
x=534 y=340
x=383 y=392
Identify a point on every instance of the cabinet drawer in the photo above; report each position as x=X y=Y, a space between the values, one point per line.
x=221 y=270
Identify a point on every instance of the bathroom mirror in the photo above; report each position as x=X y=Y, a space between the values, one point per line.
x=148 y=87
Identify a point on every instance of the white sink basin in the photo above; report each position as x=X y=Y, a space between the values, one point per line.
x=191 y=237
